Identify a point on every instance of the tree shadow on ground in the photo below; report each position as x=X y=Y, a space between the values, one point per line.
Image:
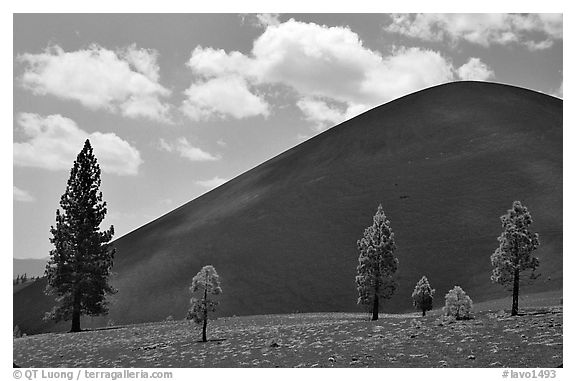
x=211 y=341
x=102 y=329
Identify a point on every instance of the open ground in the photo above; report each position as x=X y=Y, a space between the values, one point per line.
x=491 y=339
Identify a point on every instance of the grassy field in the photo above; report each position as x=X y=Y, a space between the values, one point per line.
x=491 y=339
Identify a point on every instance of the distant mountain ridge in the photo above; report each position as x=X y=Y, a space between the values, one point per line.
x=445 y=163
x=32 y=267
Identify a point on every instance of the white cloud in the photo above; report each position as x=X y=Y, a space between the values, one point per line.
x=146 y=106
x=53 y=142
x=143 y=60
x=212 y=183
x=210 y=62
x=541 y=45
x=482 y=29
x=183 y=147
x=319 y=64
x=267 y=19
x=321 y=113
x=125 y=81
x=475 y=70
x=551 y=23
x=332 y=62
x=221 y=97
x=22 y=195
x=325 y=115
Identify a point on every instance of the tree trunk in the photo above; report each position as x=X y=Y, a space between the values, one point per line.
x=204 y=329
x=375 y=308
x=515 y=292
x=205 y=323
x=76 y=313
x=423 y=312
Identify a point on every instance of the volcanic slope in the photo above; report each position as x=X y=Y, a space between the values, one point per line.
x=445 y=162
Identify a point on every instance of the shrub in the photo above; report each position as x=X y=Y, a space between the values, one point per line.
x=458 y=304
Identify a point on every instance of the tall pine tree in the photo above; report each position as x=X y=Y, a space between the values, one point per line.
x=79 y=267
x=514 y=254
x=376 y=263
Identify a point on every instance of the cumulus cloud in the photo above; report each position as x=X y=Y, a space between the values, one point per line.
x=482 y=29
x=267 y=19
x=322 y=65
x=325 y=115
x=183 y=147
x=53 y=142
x=221 y=97
x=22 y=195
x=475 y=70
x=143 y=60
x=320 y=112
x=125 y=81
x=212 y=183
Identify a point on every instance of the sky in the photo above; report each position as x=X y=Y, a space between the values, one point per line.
x=176 y=104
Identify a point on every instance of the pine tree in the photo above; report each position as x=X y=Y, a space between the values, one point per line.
x=376 y=263
x=423 y=296
x=458 y=304
x=514 y=254
x=17 y=333
x=79 y=267
x=205 y=283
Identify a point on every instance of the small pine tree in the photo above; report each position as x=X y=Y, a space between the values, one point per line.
x=458 y=304
x=514 y=254
x=79 y=267
x=17 y=333
x=205 y=283
x=423 y=296
x=376 y=263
